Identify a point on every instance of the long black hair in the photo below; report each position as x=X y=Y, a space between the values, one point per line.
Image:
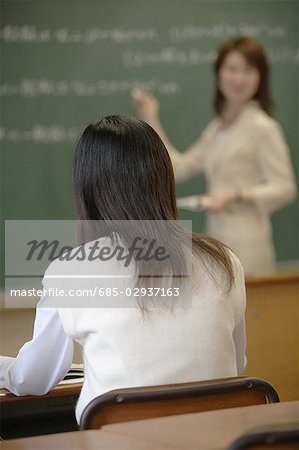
x=123 y=173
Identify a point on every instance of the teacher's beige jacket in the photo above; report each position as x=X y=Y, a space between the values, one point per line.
x=250 y=154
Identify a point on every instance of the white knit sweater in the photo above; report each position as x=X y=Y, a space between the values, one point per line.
x=122 y=348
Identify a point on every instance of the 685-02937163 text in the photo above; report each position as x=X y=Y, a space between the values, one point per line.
x=97 y=291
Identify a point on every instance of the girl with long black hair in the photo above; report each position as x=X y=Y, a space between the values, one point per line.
x=124 y=188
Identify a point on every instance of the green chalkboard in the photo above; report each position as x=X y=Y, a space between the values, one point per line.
x=66 y=63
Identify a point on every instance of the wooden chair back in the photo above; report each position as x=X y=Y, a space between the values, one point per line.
x=123 y=405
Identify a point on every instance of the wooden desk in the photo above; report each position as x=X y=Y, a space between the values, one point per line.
x=272 y=323
x=64 y=390
x=212 y=430
x=32 y=415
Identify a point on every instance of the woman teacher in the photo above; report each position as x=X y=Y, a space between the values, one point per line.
x=242 y=153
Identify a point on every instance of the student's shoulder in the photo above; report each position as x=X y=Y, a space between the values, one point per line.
x=214 y=276
x=237 y=266
x=237 y=269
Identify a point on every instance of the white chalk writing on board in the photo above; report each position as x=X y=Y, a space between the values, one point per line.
x=43 y=134
x=169 y=55
x=284 y=55
x=194 y=57
x=185 y=33
x=33 y=88
x=30 y=33
x=120 y=35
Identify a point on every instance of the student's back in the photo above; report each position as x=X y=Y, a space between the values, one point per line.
x=125 y=189
x=125 y=345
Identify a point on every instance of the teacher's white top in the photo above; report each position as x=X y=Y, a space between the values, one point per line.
x=250 y=154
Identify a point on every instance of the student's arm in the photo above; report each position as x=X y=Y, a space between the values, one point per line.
x=42 y=362
x=186 y=164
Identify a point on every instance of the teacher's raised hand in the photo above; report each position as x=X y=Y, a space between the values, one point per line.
x=146 y=105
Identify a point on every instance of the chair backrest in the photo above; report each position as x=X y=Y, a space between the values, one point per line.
x=280 y=437
x=123 y=405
